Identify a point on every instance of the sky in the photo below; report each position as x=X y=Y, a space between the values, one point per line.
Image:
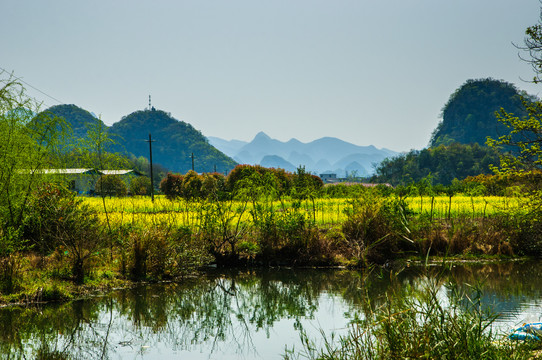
x=370 y=72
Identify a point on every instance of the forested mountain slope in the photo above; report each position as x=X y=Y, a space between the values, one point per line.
x=457 y=147
x=469 y=115
x=174 y=141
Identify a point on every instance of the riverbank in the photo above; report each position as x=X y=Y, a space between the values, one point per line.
x=76 y=247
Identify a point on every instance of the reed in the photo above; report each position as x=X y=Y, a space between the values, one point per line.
x=419 y=323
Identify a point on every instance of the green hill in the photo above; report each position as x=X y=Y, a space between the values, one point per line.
x=78 y=119
x=469 y=115
x=457 y=148
x=174 y=142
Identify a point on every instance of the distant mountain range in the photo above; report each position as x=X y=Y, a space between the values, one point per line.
x=176 y=141
x=325 y=155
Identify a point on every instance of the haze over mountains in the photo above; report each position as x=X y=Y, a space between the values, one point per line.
x=325 y=155
x=176 y=141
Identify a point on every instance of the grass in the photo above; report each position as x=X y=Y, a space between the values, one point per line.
x=416 y=322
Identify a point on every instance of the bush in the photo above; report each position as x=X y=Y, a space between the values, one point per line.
x=165 y=252
x=527 y=238
x=172 y=186
x=110 y=185
x=375 y=228
x=280 y=180
x=192 y=184
x=214 y=186
x=140 y=186
x=57 y=221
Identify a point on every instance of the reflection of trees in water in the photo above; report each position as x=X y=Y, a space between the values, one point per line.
x=219 y=309
x=55 y=331
x=222 y=308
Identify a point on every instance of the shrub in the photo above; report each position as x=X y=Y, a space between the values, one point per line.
x=375 y=228
x=237 y=179
x=110 y=185
x=140 y=186
x=192 y=184
x=165 y=252
x=172 y=186
x=214 y=186
x=57 y=220
x=305 y=185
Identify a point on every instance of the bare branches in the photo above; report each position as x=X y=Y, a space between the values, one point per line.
x=532 y=45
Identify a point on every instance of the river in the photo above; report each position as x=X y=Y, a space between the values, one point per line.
x=246 y=314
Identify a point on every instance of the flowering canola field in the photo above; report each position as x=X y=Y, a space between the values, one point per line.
x=143 y=212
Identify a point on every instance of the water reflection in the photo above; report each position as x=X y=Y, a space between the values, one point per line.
x=242 y=313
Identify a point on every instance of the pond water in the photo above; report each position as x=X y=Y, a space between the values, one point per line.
x=242 y=314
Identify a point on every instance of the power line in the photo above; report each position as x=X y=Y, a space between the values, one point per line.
x=33 y=87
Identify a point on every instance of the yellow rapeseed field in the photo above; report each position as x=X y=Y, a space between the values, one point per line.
x=143 y=212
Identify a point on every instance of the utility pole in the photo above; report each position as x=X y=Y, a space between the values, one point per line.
x=150 y=141
x=192 y=161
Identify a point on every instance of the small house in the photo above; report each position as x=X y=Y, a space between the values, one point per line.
x=83 y=180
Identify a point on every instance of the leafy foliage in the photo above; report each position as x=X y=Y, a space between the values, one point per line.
x=442 y=163
x=140 y=186
x=375 y=228
x=243 y=177
x=27 y=147
x=111 y=185
x=524 y=139
x=58 y=221
x=172 y=185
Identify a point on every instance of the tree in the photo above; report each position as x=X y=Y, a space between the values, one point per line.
x=192 y=185
x=443 y=163
x=522 y=146
x=172 y=186
x=140 y=186
x=522 y=149
x=27 y=148
x=532 y=44
x=110 y=185
x=94 y=151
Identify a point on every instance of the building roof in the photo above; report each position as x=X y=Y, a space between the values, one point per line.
x=68 y=171
x=82 y=171
x=118 y=172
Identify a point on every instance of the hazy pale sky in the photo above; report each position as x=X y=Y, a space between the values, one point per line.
x=369 y=72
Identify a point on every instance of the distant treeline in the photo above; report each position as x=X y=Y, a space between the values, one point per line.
x=253 y=181
x=243 y=180
x=443 y=163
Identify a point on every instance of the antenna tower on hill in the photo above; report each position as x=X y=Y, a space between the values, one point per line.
x=150 y=107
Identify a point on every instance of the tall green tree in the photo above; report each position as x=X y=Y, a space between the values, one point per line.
x=94 y=152
x=27 y=148
x=522 y=149
x=523 y=144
